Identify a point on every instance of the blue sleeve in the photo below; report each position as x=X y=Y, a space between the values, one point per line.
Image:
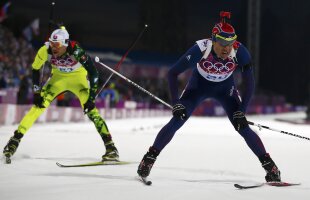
x=188 y=60
x=243 y=56
x=248 y=79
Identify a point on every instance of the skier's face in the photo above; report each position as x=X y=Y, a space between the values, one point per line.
x=58 y=49
x=222 y=51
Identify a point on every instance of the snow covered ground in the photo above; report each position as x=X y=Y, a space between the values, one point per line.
x=203 y=161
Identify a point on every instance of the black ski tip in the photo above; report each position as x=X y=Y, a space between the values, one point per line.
x=59 y=165
x=238 y=186
x=241 y=187
x=148 y=183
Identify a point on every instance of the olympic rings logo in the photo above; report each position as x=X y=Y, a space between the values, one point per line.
x=63 y=62
x=217 y=68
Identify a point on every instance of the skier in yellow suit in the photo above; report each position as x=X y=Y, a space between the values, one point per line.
x=70 y=68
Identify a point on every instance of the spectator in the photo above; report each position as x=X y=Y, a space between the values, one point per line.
x=3 y=83
x=112 y=94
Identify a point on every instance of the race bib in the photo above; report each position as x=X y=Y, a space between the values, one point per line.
x=65 y=64
x=215 y=71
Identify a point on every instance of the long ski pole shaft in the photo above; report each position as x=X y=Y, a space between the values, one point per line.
x=276 y=130
x=123 y=57
x=49 y=30
x=133 y=83
x=51 y=19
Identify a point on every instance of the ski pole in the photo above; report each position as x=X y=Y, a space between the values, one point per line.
x=169 y=106
x=123 y=57
x=49 y=30
x=133 y=83
x=51 y=19
x=272 y=129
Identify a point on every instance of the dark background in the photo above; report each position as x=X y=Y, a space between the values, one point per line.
x=176 y=24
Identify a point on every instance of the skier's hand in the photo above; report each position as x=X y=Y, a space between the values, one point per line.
x=179 y=111
x=38 y=100
x=239 y=120
x=88 y=106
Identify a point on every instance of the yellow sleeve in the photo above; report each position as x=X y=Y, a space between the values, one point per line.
x=40 y=58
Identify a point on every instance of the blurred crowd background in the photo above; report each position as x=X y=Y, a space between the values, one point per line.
x=276 y=33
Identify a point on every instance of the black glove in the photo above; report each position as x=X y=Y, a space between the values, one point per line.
x=38 y=100
x=179 y=111
x=88 y=106
x=239 y=120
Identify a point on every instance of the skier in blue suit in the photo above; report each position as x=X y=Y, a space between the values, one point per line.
x=213 y=62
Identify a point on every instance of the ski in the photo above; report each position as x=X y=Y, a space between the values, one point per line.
x=144 y=180
x=282 y=184
x=276 y=184
x=95 y=164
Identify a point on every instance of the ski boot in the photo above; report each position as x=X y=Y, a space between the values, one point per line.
x=273 y=173
x=147 y=162
x=111 y=153
x=11 y=146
